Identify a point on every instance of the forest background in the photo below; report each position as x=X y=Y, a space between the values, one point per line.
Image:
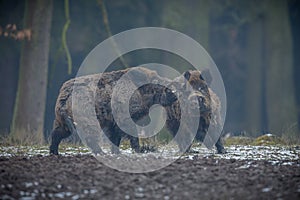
x=255 y=45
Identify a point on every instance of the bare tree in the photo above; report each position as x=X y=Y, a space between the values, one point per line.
x=280 y=91
x=255 y=101
x=28 y=119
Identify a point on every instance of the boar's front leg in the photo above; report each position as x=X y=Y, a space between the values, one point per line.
x=220 y=147
x=117 y=135
x=133 y=137
x=92 y=143
x=134 y=143
x=91 y=138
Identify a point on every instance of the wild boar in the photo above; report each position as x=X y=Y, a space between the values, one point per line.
x=102 y=85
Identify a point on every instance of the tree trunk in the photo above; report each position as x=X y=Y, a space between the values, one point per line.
x=28 y=120
x=294 y=8
x=255 y=87
x=280 y=92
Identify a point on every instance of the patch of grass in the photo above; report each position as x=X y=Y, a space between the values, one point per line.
x=268 y=140
x=147 y=148
x=125 y=144
x=291 y=139
x=23 y=138
x=264 y=140
x=238 y=141
x=291 y=134
x=164 y=136
x=67 y=147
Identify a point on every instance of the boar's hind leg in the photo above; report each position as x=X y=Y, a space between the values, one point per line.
x=220 y=147
x=133 y=137
x=60 y=133
x=134 y=143
x=57 y=135
x=114 y=135
x=91 y=140
x=69 y=124
x=93 y=145
x=117 y=136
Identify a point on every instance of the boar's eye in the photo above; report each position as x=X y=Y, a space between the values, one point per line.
x=168 y=90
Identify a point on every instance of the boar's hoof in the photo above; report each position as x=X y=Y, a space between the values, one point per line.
x=221 y=151
x=192 y=151
x=53 y=151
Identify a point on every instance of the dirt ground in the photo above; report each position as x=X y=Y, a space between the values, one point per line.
x=84 y=177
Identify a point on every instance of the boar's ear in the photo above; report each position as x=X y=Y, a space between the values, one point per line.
x=207 y=76
x=201 y=77
x=187 y=75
